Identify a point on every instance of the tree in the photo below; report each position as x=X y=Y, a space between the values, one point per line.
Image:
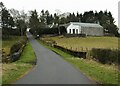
x=56 y=19
x=51 y=19
x=107 y=21
x=48 y=17
x=74 y=18
x=34 y=23
x=21 y=25
x=63 y=20
x=78 y=17
x=15 y=14
x=42 y=17
x=89 y=17
x=7 y=22
x=2 y=5
x=81 y=17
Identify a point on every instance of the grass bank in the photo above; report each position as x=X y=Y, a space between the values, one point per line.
x=103 y=74
x=13 y=71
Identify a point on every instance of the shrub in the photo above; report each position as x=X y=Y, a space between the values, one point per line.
x=17 y=48
x=105 y=55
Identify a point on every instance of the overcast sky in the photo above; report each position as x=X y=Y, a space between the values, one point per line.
x=65 y=5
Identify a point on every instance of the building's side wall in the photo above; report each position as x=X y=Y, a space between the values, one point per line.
x=92 y=31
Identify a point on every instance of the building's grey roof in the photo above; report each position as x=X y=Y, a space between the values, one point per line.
x=65 y=25
x=86 y=24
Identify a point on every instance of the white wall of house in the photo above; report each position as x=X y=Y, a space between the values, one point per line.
x=74 y=29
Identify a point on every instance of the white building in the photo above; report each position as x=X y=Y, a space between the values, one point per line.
x=90 y=29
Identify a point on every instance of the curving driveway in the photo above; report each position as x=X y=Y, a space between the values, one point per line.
x=51 y=68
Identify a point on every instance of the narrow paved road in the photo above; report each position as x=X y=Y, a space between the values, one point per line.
x=51 y=69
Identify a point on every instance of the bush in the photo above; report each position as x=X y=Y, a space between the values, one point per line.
x=17 y=48
x=106 y=55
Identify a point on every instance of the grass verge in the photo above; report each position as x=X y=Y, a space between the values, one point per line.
x=13 y=71
x=102 y=74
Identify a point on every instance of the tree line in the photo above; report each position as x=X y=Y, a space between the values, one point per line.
x=10 y=24
x=14 y=22
x=104 y=18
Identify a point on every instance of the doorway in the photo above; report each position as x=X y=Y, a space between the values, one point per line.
x=73 y=31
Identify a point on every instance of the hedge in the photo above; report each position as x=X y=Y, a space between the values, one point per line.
x=106 y=55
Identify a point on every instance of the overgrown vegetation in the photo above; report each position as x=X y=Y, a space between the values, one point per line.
x=14 y=49
x=13 y=71
x=106 y=55
x=18 y=45
x=101 y=73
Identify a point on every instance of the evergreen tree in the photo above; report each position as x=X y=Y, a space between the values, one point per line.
x=51 y=19
x=7 y=21
x=63 y=20
x=42 y=17
x=56 y=19
x=21 y=25
x=89 y=17
x=48 y=17
x=34 y=23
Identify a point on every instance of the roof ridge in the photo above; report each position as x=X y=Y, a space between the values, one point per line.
x=86 y=24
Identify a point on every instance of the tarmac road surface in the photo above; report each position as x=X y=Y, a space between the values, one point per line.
x=51 y=68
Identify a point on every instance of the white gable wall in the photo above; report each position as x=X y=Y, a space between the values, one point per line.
x=74 y=29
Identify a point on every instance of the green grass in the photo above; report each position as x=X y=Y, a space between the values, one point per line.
x=105 y=74
x=13 y=71
x=79 y=43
